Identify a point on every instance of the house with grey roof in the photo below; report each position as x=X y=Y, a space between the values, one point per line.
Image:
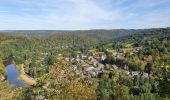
x=135 y=73
x=145 y=75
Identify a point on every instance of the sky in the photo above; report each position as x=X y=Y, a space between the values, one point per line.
x=83 y=14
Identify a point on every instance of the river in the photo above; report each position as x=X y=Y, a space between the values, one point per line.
x=12 y=76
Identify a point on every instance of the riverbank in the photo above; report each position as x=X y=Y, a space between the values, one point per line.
x=24 y=77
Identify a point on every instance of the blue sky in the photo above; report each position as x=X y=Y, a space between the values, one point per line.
x=83 y=14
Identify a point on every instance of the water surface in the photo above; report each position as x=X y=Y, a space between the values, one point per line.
x=12 y=76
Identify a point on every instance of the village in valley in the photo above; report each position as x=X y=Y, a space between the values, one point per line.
x=94 y=65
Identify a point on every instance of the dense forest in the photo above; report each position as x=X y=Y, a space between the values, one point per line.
x=115 y=64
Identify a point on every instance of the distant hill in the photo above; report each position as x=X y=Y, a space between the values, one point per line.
x=99 y=34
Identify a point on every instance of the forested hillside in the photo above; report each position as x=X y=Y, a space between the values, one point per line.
x=97 y=34
x=87 y=65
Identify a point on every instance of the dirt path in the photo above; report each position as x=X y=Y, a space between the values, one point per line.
x=29 y=80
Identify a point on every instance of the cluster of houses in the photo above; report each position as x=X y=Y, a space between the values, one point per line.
x=92 y=66
x=122 y=53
